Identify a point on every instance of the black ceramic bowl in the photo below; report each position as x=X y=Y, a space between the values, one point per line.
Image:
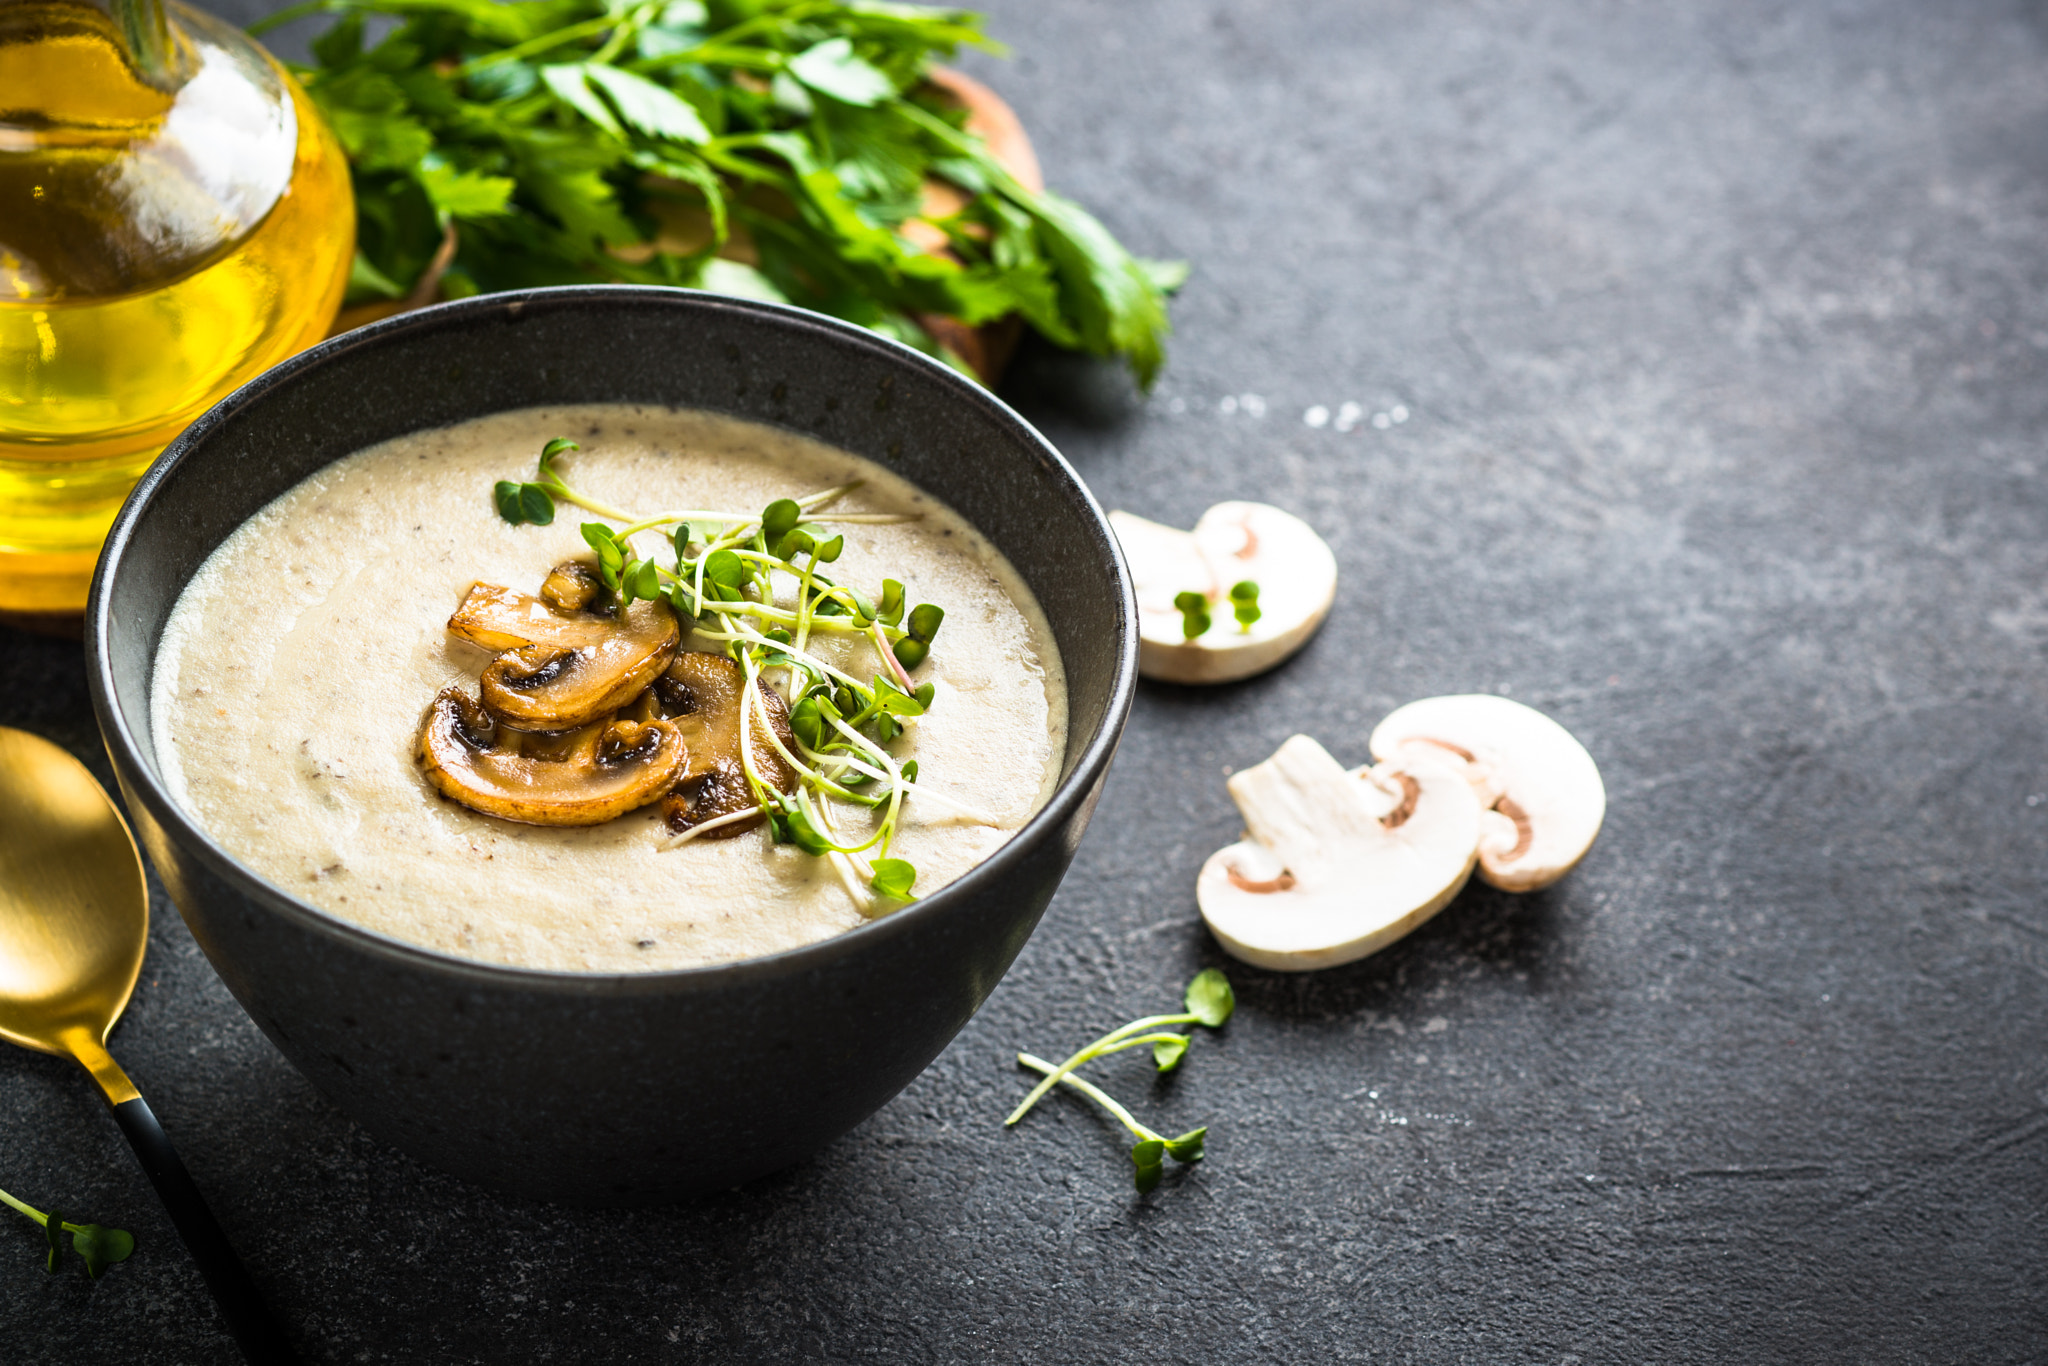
x=643 y=1087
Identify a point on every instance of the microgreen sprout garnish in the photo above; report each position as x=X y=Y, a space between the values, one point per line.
x=1244 y=603
x=534 y=502
x=1194 y=613
x=752 y=584
x=96 y=1244
x=1210 y=1003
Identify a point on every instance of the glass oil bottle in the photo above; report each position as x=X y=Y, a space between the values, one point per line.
x=174 y=219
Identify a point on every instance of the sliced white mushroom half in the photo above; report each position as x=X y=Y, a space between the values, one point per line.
x=1542 y=791
x=1234 y=543
x=1337 y=865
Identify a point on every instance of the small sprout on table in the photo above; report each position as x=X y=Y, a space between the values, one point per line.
x=1210 y=1003
x=1147 y=1153
x=1194 y=613
x=99 y=1246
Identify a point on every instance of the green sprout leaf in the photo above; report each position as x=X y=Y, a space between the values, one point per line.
x=1188 y=1147
x=1210 y=1000
x=639 y=579
x=894 y=877
x=1244 y=603
x=778 y=519
x=893 y=701
x=611 y=556
x=523 y=503
x=1167 y=1052
x=892 y=603
x=561 y=445
x=807 y=722
x=802 y=833
x=1148 y=1158
x=924 y=621
x=100 y=1246
x=725 y=569
x=912 y=650
x=1194 y=614
x=536 y=504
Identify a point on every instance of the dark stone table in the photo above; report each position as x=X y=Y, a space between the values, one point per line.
x=1721 y=335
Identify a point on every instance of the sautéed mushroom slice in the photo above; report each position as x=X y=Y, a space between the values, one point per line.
x=702 y=695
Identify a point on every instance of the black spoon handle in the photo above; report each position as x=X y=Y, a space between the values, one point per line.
x=255 y=1332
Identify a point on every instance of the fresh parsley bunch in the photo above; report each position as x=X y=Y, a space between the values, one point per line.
x=767 y=147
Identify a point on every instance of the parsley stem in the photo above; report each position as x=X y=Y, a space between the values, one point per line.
x=589 y=28
x=626 y=30
x=1093 y=1092
x=290 y=13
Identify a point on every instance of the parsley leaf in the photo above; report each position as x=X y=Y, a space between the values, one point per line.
x=559 y=140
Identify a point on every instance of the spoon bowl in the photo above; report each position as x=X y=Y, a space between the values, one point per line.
x=74 y=910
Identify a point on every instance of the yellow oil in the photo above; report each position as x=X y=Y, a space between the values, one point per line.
x=114 y=335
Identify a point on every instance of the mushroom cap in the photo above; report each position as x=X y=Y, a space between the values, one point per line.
x=1337 y=865
x=702 y=694
x=496 y=618
x=1292 y=565
x=591 y=776
x=563 y=669
x=1542 y=789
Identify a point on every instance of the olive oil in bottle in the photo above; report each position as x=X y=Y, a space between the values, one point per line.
x=174 y=219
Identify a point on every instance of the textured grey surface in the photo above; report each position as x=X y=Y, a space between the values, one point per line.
x=1723 y=334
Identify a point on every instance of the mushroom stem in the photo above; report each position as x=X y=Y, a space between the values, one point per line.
x=1263 y=886
x=1525 y=830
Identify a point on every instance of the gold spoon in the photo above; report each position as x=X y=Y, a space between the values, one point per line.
x=74 y=920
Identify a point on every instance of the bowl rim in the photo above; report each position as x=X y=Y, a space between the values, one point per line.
x=135 y=765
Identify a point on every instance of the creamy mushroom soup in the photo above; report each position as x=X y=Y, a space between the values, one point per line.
x=305 y=669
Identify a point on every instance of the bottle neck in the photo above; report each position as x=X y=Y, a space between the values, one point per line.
x=152 y=41
x=145 y=32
